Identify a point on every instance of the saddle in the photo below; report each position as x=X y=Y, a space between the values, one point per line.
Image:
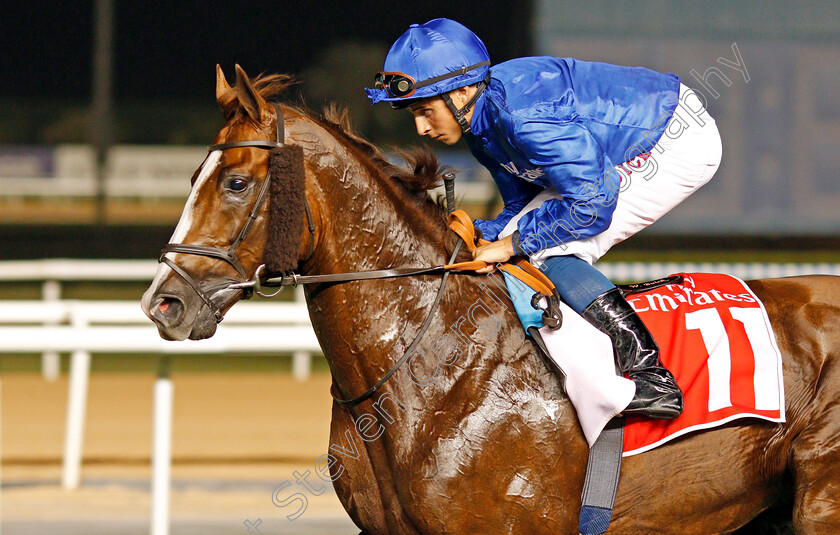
x=714 y=336
x=546 y=297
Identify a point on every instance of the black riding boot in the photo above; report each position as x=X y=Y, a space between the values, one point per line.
x=636 y=352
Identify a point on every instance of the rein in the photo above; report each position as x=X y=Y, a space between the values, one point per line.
x=397 y=365
x=545 y=298
x=294 y=279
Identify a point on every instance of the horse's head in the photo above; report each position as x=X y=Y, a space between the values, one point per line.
x=224 y=229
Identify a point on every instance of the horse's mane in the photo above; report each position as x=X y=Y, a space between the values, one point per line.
x=424 y=171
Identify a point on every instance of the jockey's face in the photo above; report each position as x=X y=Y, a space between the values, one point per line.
x=432 y=118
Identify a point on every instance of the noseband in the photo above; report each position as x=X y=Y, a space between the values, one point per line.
x=229 y=254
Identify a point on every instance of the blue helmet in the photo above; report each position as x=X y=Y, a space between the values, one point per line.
x=430 y=59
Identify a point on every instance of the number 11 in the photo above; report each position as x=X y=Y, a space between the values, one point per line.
x=766 y=376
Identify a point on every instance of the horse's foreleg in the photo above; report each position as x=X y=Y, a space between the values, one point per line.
x=363 y=481
x=355 y=483
x=816 y=468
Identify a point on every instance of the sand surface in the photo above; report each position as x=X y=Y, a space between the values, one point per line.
x=236 y=438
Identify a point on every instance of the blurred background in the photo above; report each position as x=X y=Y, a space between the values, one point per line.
x=105 y=111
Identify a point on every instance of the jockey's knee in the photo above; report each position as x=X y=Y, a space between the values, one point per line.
x=713 y=155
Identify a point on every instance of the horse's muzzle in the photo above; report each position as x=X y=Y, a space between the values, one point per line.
x=178 y=313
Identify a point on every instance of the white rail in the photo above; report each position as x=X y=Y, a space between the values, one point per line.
x=85 y=327
x=129 y=312
x=60 y=269
x=53 y=271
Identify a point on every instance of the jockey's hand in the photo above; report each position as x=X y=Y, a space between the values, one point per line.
x=497 y=251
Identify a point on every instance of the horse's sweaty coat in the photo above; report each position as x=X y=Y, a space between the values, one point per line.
x=476 y=451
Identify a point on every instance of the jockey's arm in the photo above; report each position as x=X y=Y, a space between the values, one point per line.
x=574 y=165
x=516 y=194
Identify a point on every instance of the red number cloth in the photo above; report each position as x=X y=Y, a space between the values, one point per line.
x=715 y=337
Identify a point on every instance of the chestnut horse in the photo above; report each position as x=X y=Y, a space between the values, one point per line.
x=475 y=434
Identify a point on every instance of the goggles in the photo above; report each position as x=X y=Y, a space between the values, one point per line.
x=395 y=84
x=399 y=85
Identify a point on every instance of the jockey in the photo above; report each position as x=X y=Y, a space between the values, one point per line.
x=584 y=155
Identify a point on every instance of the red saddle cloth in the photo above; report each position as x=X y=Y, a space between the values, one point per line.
x=715 y=337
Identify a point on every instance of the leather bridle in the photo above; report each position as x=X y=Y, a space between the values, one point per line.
x=229 y=254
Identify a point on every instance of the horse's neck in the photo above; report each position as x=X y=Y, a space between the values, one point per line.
x=370 y=224
x=364 y=226
x=474 y=357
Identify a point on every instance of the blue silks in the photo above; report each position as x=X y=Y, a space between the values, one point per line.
x=521 y=295
x=564 y=123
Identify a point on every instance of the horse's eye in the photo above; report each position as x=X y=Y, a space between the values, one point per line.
x=237 y=185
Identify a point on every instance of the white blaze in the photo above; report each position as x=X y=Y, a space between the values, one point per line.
x=207 y=168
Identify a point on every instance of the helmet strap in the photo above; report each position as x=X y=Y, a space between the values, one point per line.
x=460 y=114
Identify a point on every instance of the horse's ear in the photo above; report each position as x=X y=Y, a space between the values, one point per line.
x=225 y=95
x=251 y=101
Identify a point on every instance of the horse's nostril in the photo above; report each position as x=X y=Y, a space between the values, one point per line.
x=169 y=308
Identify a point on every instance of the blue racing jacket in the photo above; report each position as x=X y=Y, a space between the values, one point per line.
x=563 y=123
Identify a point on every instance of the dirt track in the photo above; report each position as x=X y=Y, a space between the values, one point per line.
x=235 y=438
x=216 y=417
